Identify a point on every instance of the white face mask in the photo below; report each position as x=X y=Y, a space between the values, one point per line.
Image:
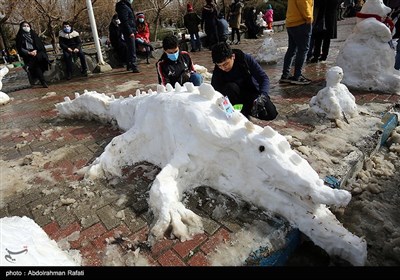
x=26 y=28
x=117 y=21
x=130 y=1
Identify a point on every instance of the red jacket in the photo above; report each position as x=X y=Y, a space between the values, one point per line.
x=143 y=32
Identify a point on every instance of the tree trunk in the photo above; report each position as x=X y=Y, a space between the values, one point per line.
x=54 y=42
x=3 y=41
x=157 y=24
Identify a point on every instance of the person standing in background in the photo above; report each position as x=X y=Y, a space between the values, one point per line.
x=128 y=28
x=250 y=22
x=209 y=16
x=31 y=48
x=235 y=18
x=327 y=21
x=191 y=21
x=269 y=16
x=340 y=10
x=299 y=18
x=396 y=34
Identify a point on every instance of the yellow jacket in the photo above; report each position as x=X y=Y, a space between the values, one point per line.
x=299 y=12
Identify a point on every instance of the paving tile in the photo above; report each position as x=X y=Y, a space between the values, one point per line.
x=108 y=217
x=161 y=246
x=101 y=242
x=170 y=258
x=24 y=200
x=88 y=235
x=134 y=223
x=21 y=211
x=221 y=236
x=90 y=256
x=185 y=248
x=3 y=212
x=64 y=216
x=198 y=259
x=66 y=231
x=210 y=226
x=52 y=229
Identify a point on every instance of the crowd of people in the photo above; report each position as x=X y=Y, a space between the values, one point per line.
x=310 y=25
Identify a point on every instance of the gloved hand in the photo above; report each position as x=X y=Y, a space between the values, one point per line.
x=258 y=111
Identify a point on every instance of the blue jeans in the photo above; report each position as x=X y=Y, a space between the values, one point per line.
x=195 y=41
x=196 y=79
x=298 y=45
x=397 y=59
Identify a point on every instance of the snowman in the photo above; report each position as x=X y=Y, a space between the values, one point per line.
x=366 y=56
x=335 y=100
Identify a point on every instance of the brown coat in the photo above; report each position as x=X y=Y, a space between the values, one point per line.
x=235 y=15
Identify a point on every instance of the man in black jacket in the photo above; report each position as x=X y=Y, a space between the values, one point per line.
x=240 y=77
x=71 y=44
x=128 y=26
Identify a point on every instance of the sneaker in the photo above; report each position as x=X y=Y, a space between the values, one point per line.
x=301 y=80
x=285 y=79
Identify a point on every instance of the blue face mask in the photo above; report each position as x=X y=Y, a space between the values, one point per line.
x=67 y=29
x=173 y=56
x=141 y=20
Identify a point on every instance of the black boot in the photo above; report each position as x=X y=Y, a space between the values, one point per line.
x=44 y=84
x=135 y=69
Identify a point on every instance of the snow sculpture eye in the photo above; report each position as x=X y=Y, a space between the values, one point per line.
x=261 y=148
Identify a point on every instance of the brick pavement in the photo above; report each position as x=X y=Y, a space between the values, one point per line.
x=92 y=218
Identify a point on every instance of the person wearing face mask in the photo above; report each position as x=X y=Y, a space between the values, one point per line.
x=31 y=48
x=128 y=27
x=143 y=36
x=117 y=40
x=71 y=44
x=176 y=66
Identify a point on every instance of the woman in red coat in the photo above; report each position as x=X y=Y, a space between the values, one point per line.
x=143 y=36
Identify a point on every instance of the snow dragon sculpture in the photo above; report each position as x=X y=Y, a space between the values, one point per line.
x=187 y=133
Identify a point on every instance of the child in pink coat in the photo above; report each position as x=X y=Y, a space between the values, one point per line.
x=269 y=16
